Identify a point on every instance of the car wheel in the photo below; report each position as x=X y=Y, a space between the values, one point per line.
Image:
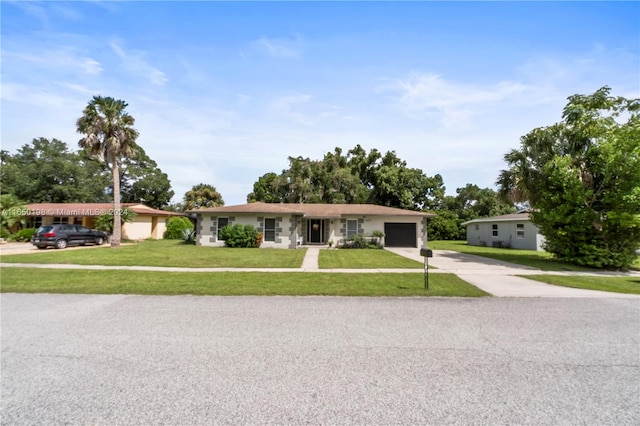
x=99 y=241
x=60 y=244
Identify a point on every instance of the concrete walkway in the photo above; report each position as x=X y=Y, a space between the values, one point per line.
x=310 y=262
x=501 y=278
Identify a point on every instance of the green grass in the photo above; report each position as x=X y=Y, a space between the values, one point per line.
x=166 y=253
x=630 y=285
x=364 y=259
x=25 y=280
x=535 y=259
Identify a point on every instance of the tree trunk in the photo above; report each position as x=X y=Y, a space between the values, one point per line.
x=117 y=223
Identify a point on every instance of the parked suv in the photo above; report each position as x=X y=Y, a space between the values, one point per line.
x=61 y=236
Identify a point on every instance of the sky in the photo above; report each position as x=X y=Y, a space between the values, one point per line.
x=224 y=92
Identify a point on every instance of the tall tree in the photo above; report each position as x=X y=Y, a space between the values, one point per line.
x=357 y=177
x=582 y=178
x=46 y=171
x=109 y=135
x=472 y=202
x=202 y=196
x=267 y=190
x=143 y=181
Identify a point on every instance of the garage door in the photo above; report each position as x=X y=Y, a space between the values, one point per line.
x=400 y=234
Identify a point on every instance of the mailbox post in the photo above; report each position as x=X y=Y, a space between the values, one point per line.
x=426 y=253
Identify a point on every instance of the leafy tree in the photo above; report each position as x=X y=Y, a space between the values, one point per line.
x=45 y=171
x=266 y=190
x=143 y=181
x=357 y=177
x=472 y=202
x=582 y=178
x=202 y=196
x=445 y=226
x=396 y=185
x=109 y=135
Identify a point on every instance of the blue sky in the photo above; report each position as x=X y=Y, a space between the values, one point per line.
x=224 y=92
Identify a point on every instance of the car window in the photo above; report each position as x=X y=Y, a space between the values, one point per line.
x=82 y=229
x=68 y=228
x=44 y=229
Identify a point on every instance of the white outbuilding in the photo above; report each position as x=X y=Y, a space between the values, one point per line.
x=509 y=231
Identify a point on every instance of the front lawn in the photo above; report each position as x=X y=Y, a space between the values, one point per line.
x=364 y=259
x=630 y=285
x=535 y=259
x=166 y=253
x=25 y=280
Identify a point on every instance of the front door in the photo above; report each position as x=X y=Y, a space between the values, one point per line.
x=315 y=230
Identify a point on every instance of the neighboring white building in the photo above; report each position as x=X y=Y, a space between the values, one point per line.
x=287 y=225
x=509 y=230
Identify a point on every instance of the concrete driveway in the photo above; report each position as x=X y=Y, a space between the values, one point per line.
x=21 y=248
x=17 y=248
x=501 y=278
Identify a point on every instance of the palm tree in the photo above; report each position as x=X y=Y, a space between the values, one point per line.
x=109 y=135
x=202 y=196
x=12 y=211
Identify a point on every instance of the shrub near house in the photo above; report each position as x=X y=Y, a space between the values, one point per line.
x=176 y=226
x=243 y=236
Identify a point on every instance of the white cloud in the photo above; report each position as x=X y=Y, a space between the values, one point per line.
x=422 y=94
x=29 y=95
x=135 y=63
x=290 y=108
x=281 y=47
x=59 y=57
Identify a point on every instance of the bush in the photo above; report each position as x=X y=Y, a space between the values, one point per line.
x=189 y=236
x=359 y=241
x=104 y=222
x=244 y=236
x=22 y=235
x=176 y=226
x=4 y=234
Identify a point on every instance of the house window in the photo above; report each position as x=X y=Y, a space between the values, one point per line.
x=352 y=227
x=35 y=222
x=477 y=227
x=494 y=229
x=269 y=229
x=520 y=230
x=222 y=222
x=60 y=220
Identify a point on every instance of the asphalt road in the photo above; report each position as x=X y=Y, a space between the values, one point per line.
x=84 y=359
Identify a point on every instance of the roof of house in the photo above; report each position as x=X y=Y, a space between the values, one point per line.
x=524 y=215
x=90 y=209
x=313 y=210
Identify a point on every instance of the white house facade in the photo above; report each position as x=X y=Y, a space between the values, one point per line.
x=288 y=225
x=510 y=230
